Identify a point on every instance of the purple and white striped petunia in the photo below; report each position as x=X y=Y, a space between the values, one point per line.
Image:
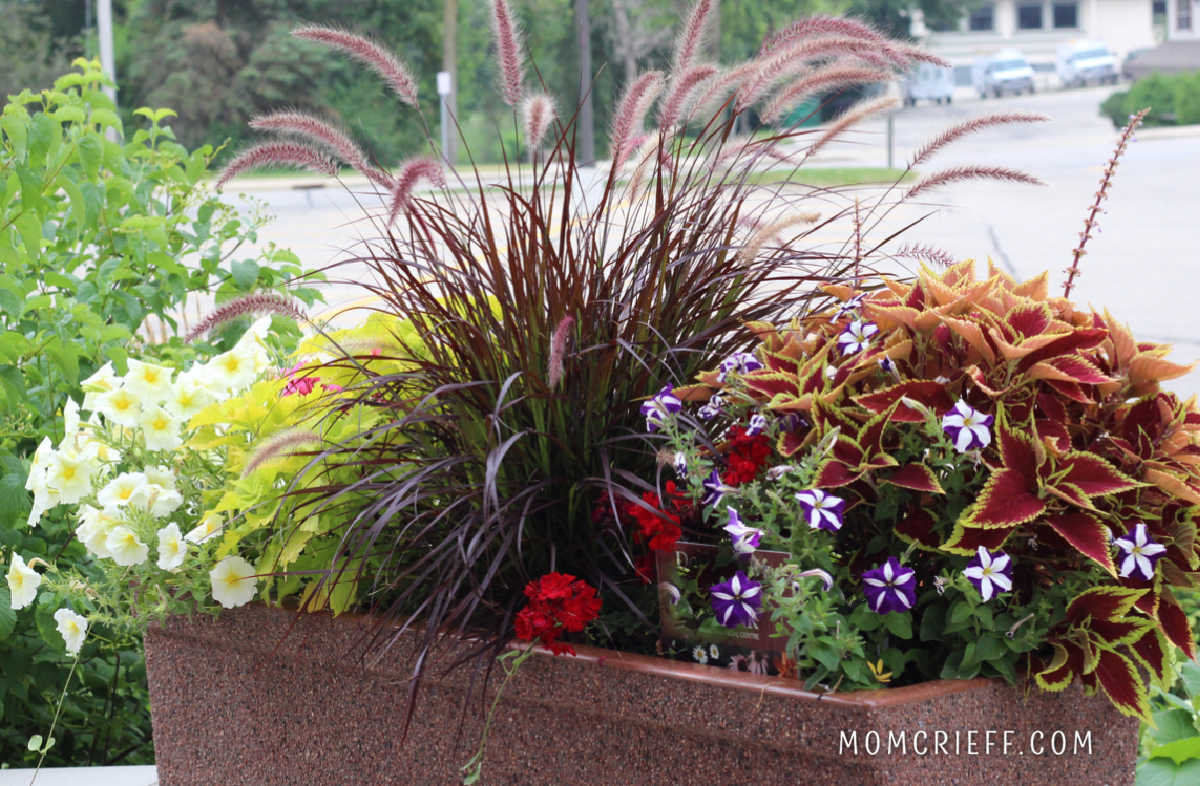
x=890 y=587
x=679 y=463
x=736 y=602
x=659 y=408
x=889 y=366
x=856 y=336
x=711 y=408
x=826 y=579
x=821 y=510
x=714 y=489
x=757 y=424
x=1140 y=553
x=848 y=307
x=738 y=363
x=990 y=572
x=968 y=427
x=745 y=539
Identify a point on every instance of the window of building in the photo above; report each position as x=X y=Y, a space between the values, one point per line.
x=1183 y=14
x=1029 y=16
x=1066 y=15
x=982 y=19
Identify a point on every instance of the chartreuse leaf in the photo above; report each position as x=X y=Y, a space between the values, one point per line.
x=1164 y=772
x=1179 y=751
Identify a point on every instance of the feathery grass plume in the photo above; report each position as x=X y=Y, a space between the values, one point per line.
x=283 y=443
x=969 y=127
x=631 y=111
x=538 y=111
x=380 y=60
x=691 y=38
x=508 y=51
x=851 y=116
x=317 y=130
x=716 y=90
x=794 y=57
x=820 y=25
x=959 y=173
x=1089 y=223
x=682 y=87
x=835 y=75
x=925 y=253
x=754 y=245
x=558 y=347
x=412 y=171
x=277 y=154
x=246 y=305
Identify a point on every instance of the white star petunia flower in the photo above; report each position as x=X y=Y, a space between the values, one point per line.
x=233 y=582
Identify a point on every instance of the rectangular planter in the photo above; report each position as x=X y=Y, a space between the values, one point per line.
x=259 y=696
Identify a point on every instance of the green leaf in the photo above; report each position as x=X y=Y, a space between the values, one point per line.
x=8 y=617
x=1179 y=751
x=30 y=229
x=1164 y=772
x=989 y=648
x=899 y=625
x=933 y=623
x=90 y=153
x=1172 y=724
x=106 y=118
x=245 y=273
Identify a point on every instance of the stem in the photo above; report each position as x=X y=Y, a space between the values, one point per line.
x=1090 y=222
x=53 y=723
x=473 y=768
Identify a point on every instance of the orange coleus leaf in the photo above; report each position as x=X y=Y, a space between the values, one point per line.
x=1104 y=602
x=1070 y=344
x=1171 y=484
x=1086 y=534
x=917 y=477
x=1123 y=684
x=1091 y=474
x=889 y=318
x=1019 y=348
x=1035 y=288
x=1176 y=625
x=973 y=334
x=1146 y=367
x=1065 y=664
x=1070 y=390
x=692 y=392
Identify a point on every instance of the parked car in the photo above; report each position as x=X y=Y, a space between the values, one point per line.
x=1082 y=62
x=928 y=82
x=1004 y=72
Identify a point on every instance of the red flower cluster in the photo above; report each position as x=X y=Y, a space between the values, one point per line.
x=747 y=456
x=659 y=528
x=557 y=602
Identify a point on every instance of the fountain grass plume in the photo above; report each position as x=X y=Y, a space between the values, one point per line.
x=832 y=76
x=558 y=346
x=248 y=305
x=969 y=127
x=380 y=60
x=538 y=112
x=631 y=112
x=681 y=88
x=960 y=173
x=820 y=25
x=282 y=444
x=508 y=52
x=288 y=154
x=692 y=37
x=326 y=134
x=412 y=172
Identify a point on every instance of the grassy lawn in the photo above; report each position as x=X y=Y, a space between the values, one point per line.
x=829 y=177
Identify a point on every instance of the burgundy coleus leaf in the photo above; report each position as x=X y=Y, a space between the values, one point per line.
x=1087 y=535
x=1051 y=407
x=1028 y=319
x=917 y=527
x=967 y=540
x=1123 y=685
x=1070 y=344
x=1176 y=625
x=1151 y=650
x=928 y=392
x=835 y=474
x=1053 y=430
x=1072 y=495
x=917 y=477
x=1068 y=369
x=766 y=385
x=1019 y=454
x=1091 y=474
x=1105 y=602
x=1065 y=664
x=791 y=441
x=1070 y=390
x=848 y=452
x=1005 y=501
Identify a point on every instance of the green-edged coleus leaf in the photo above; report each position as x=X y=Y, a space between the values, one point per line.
x=1065 y=664
x=1106 y=603
x=1028 y=319
x=967 y=540
x=1156 y=657
x=791 y=441
x=928 y=392
x=1070 y=390
x=1069 y=369
x=1091 y=474
x=771 y=385
x=1069 y=344
x=1071 y=494
x=1006 y=500
x=917 y=527
x=1176 y=625
x=834 y=474
x=1087 y=534
x=917 y=477
x=1120 y=680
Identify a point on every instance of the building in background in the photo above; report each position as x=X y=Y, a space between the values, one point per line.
x=1036 y=28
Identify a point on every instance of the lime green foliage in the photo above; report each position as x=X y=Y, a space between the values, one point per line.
x=95 y=235
x=1170 y=747
x=1174 y=99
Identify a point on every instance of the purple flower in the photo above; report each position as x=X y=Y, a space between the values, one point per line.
x=856 y=336
x=679 y=464
x=745 y=539
x=1140 y=553
x=889 y=366
x=714 y=489
x=659 y=408
x=738 y=363
x=991 y=573
x=825 y=578
x=848 y=307
x=757 y=424
x=890 y=587
x=821 y=510
x=736 y=601
x=711 y=409
x=967 y=427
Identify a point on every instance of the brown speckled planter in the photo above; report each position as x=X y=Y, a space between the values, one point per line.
x=244 y=700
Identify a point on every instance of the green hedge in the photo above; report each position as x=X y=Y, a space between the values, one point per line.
x=1173 y=100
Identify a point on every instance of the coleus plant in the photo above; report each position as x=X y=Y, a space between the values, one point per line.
x=954 y=430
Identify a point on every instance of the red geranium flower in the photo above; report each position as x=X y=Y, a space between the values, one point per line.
x=557 y=602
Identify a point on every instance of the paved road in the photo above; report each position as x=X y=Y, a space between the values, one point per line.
x=1141 y=265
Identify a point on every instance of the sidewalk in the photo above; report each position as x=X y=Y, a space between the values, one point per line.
x=82 y=776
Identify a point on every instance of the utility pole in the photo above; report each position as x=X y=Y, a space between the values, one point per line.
x=104 y=22
x=450 y=66
x=585 y=151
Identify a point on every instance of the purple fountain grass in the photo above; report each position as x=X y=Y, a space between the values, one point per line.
x=290 y=154
x=821 y=25
x=832 y=76
x=333 y=138
x=692 y=37
x=558 y=345
x=248 y=305
x=508 y=52
x=282 y=444
x=852 y=116
x=538 y=111
x=382 y=61
x=755 y=243
x=1089 y=223
x=631 y=113
x=925 y=253
x=960 y=173
x=793 y=57
x=681 y=88
x=956 y=132
x=412 y=172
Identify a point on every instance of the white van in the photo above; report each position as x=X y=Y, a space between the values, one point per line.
x=1081 y=62
x=928 y=82
x=1003 y=72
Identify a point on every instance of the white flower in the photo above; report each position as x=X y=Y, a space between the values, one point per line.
x=237 y=368
x=171 y=548
x=700 y=654
x=148 y=381
x=856 y=336
x=119 y=406
x=73 y=628
x=189 y=395
x=93 y=529
x=713 y=652
x=103 y=381
x=70 y=475
x=233 y=582
x=44 y=497
x=23 y=582
x=208 y=528
x=160 y=476
x=967 y=426
x=125 y=489
x=125 y=547
x=160 y=501
x=160 y=429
